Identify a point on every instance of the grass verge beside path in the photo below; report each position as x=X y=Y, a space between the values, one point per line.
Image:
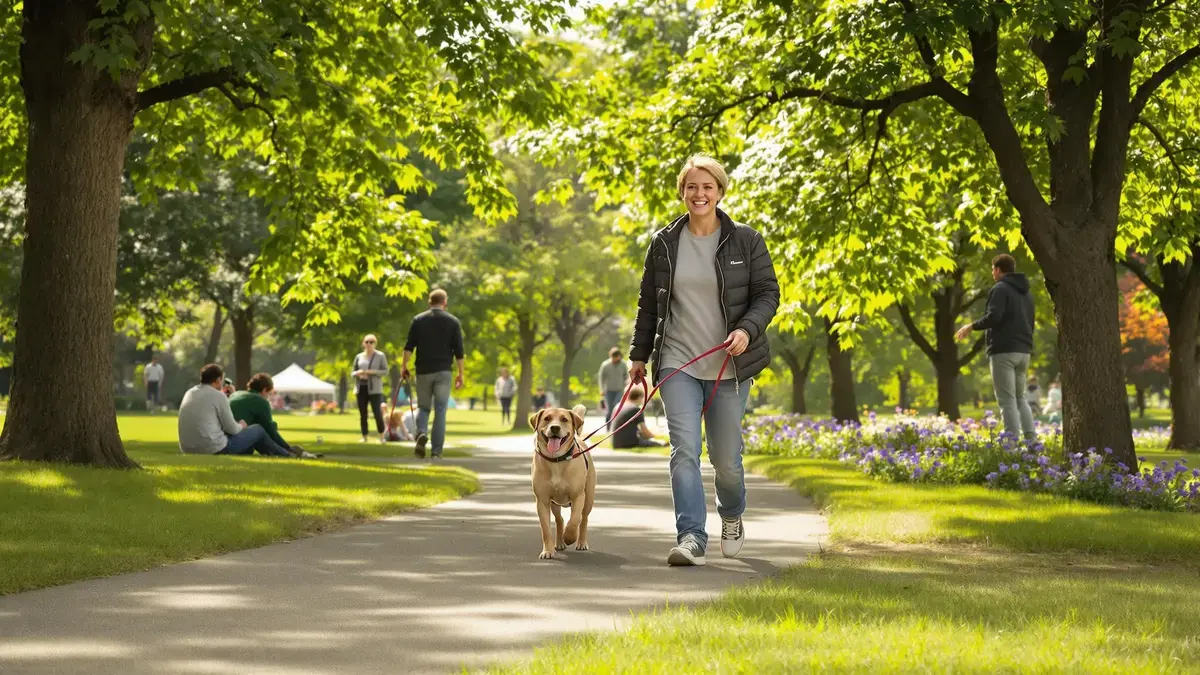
x=64 y=523
x=935 y=578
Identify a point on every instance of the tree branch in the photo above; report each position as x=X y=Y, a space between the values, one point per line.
x=973 y=352
x=924 y=48
x=1152 y=83
x=1139 y=270
x=915 y=333
x=184 y=87
x=964 y=307
x=588 y=331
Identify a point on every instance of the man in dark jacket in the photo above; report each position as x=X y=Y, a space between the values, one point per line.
x=1009 y=326
x=436 y=336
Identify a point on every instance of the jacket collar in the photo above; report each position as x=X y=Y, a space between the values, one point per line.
x=672 y=232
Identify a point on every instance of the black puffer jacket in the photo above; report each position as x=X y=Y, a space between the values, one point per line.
x=749 y=293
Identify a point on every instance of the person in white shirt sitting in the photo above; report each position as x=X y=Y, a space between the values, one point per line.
x=207 y=426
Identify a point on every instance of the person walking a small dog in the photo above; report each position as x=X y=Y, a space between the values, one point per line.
x=506 y=389
x=611 y=378
x=707 y=280
x=368 y=369
x=436 y=336
x=1009 y=324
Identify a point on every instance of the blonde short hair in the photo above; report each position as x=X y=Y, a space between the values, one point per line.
x=705 y=163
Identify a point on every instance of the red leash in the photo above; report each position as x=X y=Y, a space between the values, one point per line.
x=651 y=392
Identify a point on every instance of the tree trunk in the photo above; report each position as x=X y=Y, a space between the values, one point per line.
x=343 y=392
x=564 y=387
x=1140 y=398
x=904 y=378
x=800 y=371
x=80 y=119
x=841 y=378
x=1185 y=383
x=1086 y=302
x=214 y=336
x=243 y=344
x=527 y=332
x=947 y=386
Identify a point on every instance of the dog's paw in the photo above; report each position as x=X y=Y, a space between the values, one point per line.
x=581 y=546
x=546 y=555
x=571 y=534
x=560 y=546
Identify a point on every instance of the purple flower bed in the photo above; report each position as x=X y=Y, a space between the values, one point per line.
x=935 y=450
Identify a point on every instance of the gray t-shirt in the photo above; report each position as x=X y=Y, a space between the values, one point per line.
x=696 y=320
x=205 y=421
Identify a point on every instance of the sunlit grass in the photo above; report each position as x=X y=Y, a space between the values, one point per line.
x=64 y=523
x=934 y=578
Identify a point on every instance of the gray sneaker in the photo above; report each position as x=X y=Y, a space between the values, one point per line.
x=422 y=439
x=733 y=535
x=688 y=553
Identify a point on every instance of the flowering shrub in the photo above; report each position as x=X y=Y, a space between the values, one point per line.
x=912 y=449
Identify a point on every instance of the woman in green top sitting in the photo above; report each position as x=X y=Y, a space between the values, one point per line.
x=253 y=407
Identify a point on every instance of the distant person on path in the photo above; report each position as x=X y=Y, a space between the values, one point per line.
x=1053 y=409
x=707 y=281
x=253 y=407
x=635 y=434
x=1009 y=324
x=612 y=378
x=207 y=425
x=154 y=378
x=368 y=369
x=506 y=389
x=1033 y=393
x=436 y=336
x=539 y=399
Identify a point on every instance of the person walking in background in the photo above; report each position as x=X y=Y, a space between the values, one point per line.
x=707 y=281
x=154 y=378
x=206 y=424
x=368 y=369
x=253 y=406
x=506 y=389
x=1033 y=393
x=1009 y=322
x=1053 y=409
x=436 y=336
x=611 y=379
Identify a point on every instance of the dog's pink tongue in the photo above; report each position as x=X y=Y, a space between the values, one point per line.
x=553 y=444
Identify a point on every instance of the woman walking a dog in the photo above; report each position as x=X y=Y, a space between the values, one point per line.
x=707 y=280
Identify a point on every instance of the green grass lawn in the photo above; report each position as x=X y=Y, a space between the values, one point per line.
x=935 y=579
x=65 y=523
x=339 y=432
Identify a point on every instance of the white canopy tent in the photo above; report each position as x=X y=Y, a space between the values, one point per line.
x=296 y=380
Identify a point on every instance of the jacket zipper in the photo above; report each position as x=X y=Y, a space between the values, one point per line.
x=667 y=317
x=721 y=300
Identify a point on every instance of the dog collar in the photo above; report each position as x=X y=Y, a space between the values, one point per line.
x=565 y=457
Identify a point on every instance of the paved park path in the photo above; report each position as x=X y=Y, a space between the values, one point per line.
x=430 y=591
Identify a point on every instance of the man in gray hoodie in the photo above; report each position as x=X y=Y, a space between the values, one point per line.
x=1009 y=325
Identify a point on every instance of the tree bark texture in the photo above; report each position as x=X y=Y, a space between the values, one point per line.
x=214 y=336
x=800 y=369
x=841 y=378
x=80 y=120
x=243 y=344
x=527 y=333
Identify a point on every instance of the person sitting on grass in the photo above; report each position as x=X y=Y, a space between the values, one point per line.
x=253 y=407
x=207 y=425
x=635 y=434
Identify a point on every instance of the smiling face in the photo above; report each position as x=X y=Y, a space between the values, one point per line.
x=554 y=427
x=701 y=192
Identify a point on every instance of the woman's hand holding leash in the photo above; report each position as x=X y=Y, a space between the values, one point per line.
x=738 y=341
x=637 y=371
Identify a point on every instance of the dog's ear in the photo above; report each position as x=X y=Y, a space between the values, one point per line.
x=536 y=419
x=578 y=421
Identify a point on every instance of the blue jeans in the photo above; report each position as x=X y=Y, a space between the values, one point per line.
x=611 y=399
x=1008 y=379
x=252 y=438
x=433 y=388
x=683 y=397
